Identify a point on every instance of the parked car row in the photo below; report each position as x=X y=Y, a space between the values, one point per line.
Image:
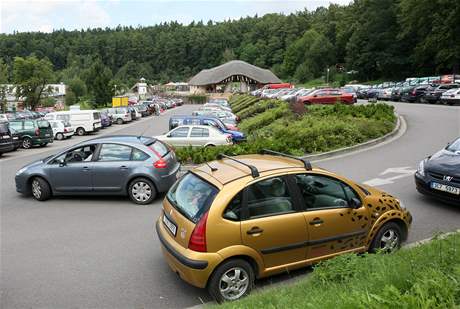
x=27 y=129
x=212 y=125
x=409 y=91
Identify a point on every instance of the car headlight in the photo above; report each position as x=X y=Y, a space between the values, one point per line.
x=22 y=170
x=421 y=168
x=401 y=204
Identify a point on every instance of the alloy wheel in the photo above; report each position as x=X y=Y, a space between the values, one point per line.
x=389 y=240
x=234 y=283
x=26 y=143
x=36 y=189
x=141 y=191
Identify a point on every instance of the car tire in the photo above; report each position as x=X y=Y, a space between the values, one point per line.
x=80 y=131
x=238 y=273
x=119 y=121
x=59 y=136
x=26 y=143
x=142 y=191
x=40 y=189
x=387 y=239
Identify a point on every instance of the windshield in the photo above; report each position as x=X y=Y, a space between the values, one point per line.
x=192 y=196
x=42 y=124
x=455 y=146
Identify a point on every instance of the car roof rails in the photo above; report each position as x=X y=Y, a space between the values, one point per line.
x=305 y=162
x=254 y=170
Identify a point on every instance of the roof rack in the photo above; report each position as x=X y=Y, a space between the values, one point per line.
x=254 y=170
x=305 y=162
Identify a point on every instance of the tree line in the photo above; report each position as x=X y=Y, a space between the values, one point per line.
x=376 y=39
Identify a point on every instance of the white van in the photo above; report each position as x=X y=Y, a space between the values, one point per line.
x=82 y=121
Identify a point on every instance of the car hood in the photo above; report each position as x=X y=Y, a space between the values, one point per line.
x=444 y=162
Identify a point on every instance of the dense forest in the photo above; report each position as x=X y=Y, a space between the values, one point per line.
x=388 y=39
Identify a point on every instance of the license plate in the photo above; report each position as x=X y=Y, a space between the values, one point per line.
x=47 y=135
x=445 y=188
x=171 y=226
x=15 y=138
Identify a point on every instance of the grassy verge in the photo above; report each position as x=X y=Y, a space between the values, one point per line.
x=427 y=276
x=272 y=124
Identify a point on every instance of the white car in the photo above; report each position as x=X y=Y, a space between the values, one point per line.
x=61 y=129
x=195 y=136
x=451 y=96
x=217 y=106
x=120 y=115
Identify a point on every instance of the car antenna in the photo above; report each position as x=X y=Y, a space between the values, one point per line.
x=143 y=131
x=213 y=169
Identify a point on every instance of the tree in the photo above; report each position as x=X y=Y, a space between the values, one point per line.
x=70 y=98
x=78 y=88
x=98 y=82
x=31 y=76
x=228 y=55
x=3 y=85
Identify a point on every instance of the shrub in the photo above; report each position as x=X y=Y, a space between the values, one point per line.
x=272 y=124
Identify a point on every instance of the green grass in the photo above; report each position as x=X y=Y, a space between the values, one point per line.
x=272 y=124
x=427 y=276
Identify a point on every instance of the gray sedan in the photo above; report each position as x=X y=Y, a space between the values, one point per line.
x=137 y=166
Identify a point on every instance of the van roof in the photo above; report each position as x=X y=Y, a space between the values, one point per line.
x=228 y=170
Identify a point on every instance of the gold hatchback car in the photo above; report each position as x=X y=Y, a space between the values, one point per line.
x=230 y=221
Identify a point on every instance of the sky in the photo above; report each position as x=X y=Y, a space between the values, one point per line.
x=44 y=16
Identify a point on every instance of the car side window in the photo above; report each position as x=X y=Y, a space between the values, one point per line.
x=233 y=210
x=138 y=155
x=17 y=125
x=324 y=192
x=114 y=152
x=77 y=155
x=179 y=132
x=199 y=132
x=196 y=122
x=269 y=197
x=29 y=125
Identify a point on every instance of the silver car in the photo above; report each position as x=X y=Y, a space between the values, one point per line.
x=137 y=166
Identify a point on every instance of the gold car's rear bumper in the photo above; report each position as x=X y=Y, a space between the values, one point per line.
x=193 y=267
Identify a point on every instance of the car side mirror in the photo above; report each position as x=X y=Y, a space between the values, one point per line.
x=355 y=203
x=62 y=162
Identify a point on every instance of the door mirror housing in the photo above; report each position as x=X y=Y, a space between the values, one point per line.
x=355 y=203
x=62 y=162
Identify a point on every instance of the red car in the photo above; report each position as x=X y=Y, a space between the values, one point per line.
x=328 y=96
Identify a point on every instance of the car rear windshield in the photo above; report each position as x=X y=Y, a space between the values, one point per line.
x=192 y=196
x=159 y=148
x=42 y=124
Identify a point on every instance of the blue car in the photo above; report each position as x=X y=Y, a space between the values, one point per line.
x=175 y=121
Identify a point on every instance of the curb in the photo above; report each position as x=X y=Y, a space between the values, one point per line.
x=400 y=124
x=399 y=129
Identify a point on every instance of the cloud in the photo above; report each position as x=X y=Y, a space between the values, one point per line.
x=40 y=15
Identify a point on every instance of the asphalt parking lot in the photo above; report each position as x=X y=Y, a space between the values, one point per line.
x=102 y=252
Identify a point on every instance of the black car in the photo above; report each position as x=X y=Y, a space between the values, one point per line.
x=414 y=94
x=6 y=140
x=433 y=94
x=439 y=174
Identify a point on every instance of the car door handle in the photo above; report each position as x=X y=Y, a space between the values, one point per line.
x=85 y=168
x=255 y=230
x=316 y=221
x=123 y=167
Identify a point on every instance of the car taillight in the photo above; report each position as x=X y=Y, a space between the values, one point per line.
x=160 y=164
x=414 y=92
x=65 y=130
x=197 y=240
x=229 y=138
x=37 y=132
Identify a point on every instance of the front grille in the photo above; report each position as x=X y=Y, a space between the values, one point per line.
x=441 y=177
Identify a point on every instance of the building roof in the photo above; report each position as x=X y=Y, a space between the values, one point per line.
x=236 y=67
